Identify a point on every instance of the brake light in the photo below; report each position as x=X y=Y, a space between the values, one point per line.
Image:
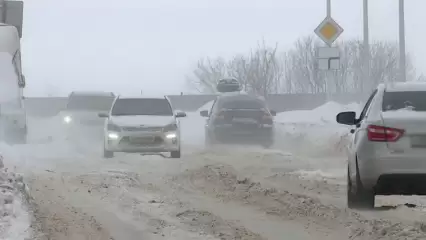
x=267 y=117
x=383 y=134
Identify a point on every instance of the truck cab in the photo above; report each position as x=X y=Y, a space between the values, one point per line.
x=13 y=121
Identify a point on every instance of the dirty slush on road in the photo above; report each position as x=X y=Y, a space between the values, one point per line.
x=249 y=194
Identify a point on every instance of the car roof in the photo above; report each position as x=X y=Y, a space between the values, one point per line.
x=405 y=87
x=92 y=93
x=239 y=96
x=141 y=97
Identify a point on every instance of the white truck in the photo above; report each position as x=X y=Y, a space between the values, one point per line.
x=13 y=121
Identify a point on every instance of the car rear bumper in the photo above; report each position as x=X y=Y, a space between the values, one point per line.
x=161 y=143
x=376 y=168
x=232 y=133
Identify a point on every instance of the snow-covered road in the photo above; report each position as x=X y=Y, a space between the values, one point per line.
x=294 y=191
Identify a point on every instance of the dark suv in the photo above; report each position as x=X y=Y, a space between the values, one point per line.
x=239 y=118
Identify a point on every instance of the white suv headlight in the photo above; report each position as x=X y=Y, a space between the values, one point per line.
x=67 y=119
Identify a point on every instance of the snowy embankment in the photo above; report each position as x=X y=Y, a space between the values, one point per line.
x=14 y=217
x=315 y=132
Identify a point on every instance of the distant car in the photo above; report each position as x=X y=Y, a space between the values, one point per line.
x=142 y=125
x=228 y=85
x=239 y=118
x=82 y=109
x=388 y=151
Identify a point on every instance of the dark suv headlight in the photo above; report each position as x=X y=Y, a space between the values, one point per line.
x=170 y=127
x=113 y=127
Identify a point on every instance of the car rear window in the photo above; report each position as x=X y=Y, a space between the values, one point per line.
x=243 y=104
x=142 y=106
x=90 y=103
x=413 y=100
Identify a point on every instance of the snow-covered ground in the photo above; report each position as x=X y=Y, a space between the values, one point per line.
x=15 y=219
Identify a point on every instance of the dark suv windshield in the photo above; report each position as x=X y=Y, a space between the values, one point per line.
x=414 y=100
x=90 y=103
x=142 y=106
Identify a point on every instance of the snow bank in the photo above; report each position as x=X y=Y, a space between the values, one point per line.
x=315 y=132
x=323 y=114
x=14 y=217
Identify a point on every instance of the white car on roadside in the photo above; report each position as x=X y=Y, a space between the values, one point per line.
x=142 y=125
x=80 y=116
x=387 y=155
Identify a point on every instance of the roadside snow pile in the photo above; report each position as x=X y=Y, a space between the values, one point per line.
x=14 y=217
x=314 y=132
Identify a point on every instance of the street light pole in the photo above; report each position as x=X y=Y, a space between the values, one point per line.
x=366 y=46
x=2 y=11
x=402 y=60
x=328 y=8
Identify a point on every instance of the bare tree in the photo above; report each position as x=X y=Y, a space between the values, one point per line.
x=265 y=70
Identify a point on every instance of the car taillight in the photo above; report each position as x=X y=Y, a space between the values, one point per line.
x=383 y=134
x=267 y=117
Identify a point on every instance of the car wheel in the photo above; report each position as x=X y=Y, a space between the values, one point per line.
x=208 y=142
x=175 y=154
x=18 y=136
x=108 y=154
x=357 y=196
x=267 y=144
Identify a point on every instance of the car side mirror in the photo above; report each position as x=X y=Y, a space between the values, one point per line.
x=180 y=114
x=346 y=118
x=273 y=113
x=204 y=113
x=103 y=115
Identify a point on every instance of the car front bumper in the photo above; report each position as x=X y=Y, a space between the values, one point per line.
x=135 y=142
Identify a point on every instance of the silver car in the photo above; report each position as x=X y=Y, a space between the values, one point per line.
x=388 y=151
x=142 y=125
x=80 y=117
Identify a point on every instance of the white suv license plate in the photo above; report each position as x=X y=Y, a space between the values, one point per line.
x=142 y=140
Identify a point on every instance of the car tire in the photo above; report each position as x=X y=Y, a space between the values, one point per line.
x=175 y=154
x=18 y=136
x=357 y=196
x=208 y=141
x=108 y=154
x=267 y=144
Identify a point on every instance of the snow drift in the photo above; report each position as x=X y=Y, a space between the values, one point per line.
x=14 y=217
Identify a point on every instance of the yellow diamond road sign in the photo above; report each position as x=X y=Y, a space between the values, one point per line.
x=328 y=30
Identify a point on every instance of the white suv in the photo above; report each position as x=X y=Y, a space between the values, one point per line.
x=142 y=125
x=388 y=151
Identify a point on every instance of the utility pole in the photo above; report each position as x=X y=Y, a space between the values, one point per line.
x=328 y=74
x=328 y=8
x=366 y=47
x=2 y=11
x=402 y=61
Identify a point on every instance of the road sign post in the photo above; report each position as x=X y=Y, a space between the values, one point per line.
x=328 y=57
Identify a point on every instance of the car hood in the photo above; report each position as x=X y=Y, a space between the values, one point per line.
x=149 y=121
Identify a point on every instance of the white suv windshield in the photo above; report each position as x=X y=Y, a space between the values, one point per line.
x=413 y=100
x=142 y=106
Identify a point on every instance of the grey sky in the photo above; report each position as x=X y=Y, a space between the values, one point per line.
x=129 y=45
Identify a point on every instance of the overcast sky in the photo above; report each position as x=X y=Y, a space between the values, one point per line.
x=132 y=45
